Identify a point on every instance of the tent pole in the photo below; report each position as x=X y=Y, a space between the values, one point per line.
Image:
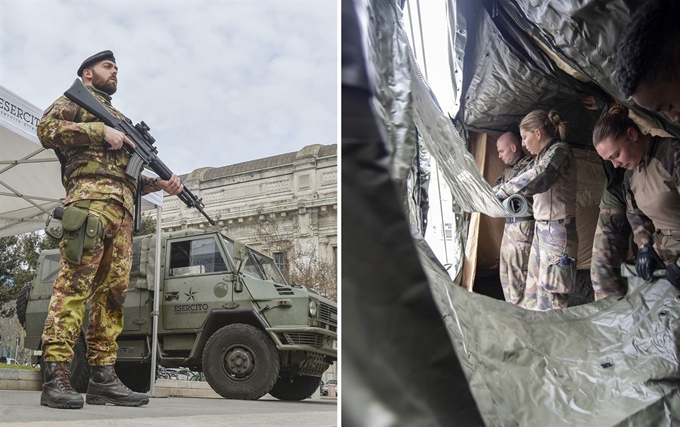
x=156 y=303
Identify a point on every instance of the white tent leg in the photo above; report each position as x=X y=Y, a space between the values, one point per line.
x=156 y=303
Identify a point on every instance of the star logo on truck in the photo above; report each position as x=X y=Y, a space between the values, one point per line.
x=190 y=295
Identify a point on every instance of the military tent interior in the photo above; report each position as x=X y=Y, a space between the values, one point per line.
x=440 y=354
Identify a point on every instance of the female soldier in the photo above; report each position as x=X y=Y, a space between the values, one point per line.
x=552 y=183
x=651 y=185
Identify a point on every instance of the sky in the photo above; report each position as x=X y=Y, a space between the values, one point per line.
x=218 y=82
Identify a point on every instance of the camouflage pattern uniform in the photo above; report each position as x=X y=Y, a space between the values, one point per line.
x=551 y=181
x=94 y=177
x=653 y=198
x=516 y=244
x=612 y=238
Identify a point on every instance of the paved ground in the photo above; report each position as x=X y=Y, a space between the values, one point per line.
x=22 y=408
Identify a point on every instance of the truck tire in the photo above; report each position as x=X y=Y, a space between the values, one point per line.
x=80 y=369
x=136 y=376
x=22 y=303
x=240 y=362
x=299 y=387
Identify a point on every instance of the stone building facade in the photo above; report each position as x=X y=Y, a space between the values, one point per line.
x=290 y=196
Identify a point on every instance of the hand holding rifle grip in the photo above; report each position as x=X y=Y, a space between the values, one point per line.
x=144 y=152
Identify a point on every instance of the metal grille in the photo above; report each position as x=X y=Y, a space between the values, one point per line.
x=314 y=365
x=283 y=290
x=328 y=314
x=314 y=340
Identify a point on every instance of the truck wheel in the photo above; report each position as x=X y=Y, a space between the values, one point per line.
x=298 y=387
x=80 y=369
x=136 y=376
x=22 y=303
x=240 y=362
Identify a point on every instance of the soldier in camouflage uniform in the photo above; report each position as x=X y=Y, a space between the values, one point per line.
x=611 y=242
x=551 y=181
x=519 y=231
x=93 y=173
x=652 y=189
x=648 y=58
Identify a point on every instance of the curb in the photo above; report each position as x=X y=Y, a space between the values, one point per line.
x=181 y=388
x=20 y=379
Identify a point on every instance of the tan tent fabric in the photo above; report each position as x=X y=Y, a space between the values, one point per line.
x=490 y=229
x=478 y=147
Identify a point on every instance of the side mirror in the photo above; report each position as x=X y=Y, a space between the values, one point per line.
x=239 y=251
x=240 y=255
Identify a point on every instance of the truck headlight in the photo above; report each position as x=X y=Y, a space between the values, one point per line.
x=312 y=308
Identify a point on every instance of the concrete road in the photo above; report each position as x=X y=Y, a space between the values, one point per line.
x=22 y=408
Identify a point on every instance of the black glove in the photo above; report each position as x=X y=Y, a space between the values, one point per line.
x=647 y=261
x=673 y=274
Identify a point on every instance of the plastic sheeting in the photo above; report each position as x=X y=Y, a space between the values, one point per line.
x=404 y=97
x=470 y=360
x=516 y=204
x=521 y=55
x=613 y=362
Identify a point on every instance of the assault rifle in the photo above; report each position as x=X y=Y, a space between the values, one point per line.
x=144 y=153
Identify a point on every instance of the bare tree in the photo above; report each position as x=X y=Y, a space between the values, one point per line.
x=302 y=264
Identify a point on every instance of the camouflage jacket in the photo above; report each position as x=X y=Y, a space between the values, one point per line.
x=551 y=181
x=652 y=191
x=89 y=170
x=612 y=195
x=512 y=170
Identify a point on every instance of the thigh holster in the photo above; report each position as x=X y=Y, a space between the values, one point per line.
x=81 y=231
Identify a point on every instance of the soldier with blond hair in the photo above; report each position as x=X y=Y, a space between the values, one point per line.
x=551 y=274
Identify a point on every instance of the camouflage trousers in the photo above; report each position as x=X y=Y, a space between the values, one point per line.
x=551 y=275
x=514 y=259
x=610 y=249
x=667 y=244
x=102 y=276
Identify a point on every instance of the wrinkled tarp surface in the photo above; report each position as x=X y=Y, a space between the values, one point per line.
x=613 y=362
x=506 y=74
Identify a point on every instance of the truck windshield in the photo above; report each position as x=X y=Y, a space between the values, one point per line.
x=269 y=267
x=257 y=265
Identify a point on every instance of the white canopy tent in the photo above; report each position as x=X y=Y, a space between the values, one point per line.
x=30 y=183
x=30 y=186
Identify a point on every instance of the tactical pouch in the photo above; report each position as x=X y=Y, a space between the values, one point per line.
x=80 y=232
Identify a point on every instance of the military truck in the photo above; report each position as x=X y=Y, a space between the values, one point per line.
x=225 y=310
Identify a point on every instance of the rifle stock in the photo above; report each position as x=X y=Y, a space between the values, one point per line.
x=79 y=94
x=143 y=154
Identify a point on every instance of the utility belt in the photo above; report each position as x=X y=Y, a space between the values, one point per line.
x=565 y=221
x=513 y=220
x=80 y=229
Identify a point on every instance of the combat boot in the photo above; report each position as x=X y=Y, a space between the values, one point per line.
x=56 y=389
x=105 y=387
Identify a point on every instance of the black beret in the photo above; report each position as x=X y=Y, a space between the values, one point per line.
x=101 y=56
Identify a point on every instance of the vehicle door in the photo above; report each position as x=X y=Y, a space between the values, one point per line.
x=197 y=280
